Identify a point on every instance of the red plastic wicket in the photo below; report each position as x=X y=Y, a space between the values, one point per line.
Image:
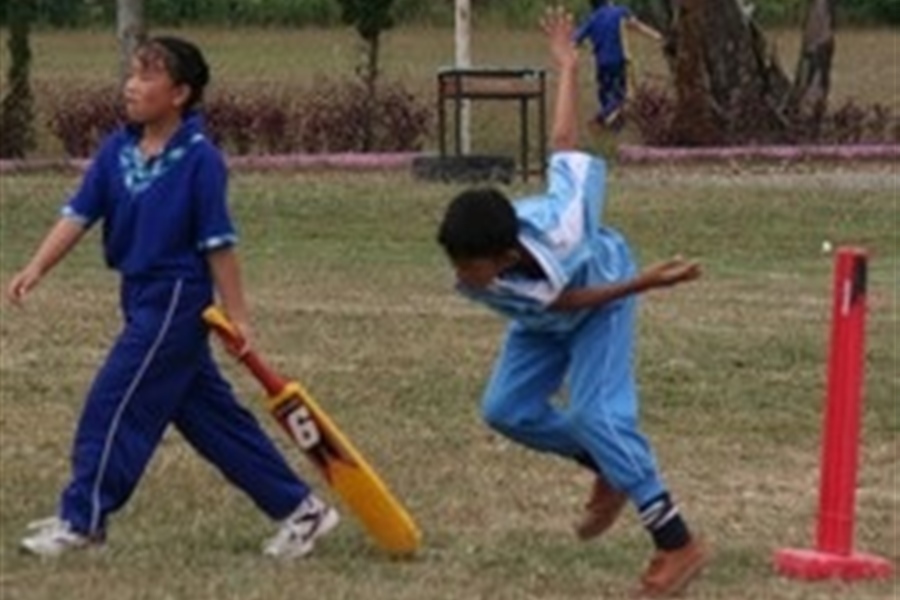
x=833 y=556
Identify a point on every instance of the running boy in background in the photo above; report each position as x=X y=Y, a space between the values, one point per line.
x=159 y=187
x=604 y=27
x=569 y=286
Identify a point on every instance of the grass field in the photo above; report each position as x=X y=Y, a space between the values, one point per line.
x=350 y=292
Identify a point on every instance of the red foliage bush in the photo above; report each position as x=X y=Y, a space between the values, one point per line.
x=329 y=116
x=337 y=116
x=652 y=109
x=81 y=117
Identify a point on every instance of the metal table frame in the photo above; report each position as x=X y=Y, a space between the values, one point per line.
x=521 y=84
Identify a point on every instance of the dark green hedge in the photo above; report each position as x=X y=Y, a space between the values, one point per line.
x=516 y=13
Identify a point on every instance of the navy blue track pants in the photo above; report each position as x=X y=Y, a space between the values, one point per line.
x=161 y=371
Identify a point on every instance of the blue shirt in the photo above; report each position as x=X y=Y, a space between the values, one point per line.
x=562 y=229
x=160 y=216
x=604 y=28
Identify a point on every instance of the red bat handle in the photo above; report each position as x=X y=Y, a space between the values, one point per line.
x=271 y=381
x=219 y=323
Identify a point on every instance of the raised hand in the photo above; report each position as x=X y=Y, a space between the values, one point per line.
x=558 y=26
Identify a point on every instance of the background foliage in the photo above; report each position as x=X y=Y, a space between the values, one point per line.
x=81 y=13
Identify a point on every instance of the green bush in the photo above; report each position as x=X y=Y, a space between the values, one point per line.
x=243 y=12
x=62 y=13
x=880 y=12
x=187 y=11
x=292 y=13
x=780 y=12
x=509 y=13
x=426 y=12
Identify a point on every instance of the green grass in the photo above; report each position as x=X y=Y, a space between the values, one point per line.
x=350 y=293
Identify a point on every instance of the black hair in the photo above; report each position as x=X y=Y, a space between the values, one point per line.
x=183 y=61
x=595 y=4
x=478 y=223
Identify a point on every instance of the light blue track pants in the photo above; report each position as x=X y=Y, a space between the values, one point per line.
x=601 y=418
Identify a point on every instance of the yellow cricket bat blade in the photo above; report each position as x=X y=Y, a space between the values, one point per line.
x=347 y=472
x=340 y=463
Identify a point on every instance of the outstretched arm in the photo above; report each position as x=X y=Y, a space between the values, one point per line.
x=56 y=245
x=581 y=33
x=558 y=27
x=664 y=274
x=644 y=29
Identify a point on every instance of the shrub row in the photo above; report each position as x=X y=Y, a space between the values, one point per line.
x=652 y=111
x=333 y=116
x=329 y=116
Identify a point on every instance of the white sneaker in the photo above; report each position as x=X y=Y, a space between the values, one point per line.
x=297 y=534
x=52 y=537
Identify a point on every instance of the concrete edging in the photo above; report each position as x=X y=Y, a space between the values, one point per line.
x=350 y=161
x=396 y=161
x=857 y=152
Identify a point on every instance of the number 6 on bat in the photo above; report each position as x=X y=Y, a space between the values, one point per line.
x=303 y=429
x=341 y=464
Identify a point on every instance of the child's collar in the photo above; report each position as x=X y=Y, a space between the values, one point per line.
x=191 y=123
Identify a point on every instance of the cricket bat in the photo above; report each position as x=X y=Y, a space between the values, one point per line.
x=340 y=463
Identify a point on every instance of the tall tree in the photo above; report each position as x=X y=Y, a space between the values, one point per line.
x=17 y=107
x=696 y=120
x=370 y=18
x=809 y=96
x=730 y=85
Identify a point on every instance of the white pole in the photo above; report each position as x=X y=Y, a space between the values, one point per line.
x=464 y=61
x=131 y=28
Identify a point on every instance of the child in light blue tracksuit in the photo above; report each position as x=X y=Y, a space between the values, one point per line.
x=158 y=185
x=568 y=283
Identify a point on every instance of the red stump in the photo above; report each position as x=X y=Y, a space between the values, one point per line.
x=834 y=556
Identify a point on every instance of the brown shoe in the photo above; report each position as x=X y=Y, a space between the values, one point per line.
x=601 y=511
x=670 y=572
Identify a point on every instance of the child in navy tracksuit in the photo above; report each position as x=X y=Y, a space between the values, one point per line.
x=158 y=186
x=568 y=283
x=605 y=29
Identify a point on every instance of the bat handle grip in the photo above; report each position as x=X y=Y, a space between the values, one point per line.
x=219 y=323
x=271 y=382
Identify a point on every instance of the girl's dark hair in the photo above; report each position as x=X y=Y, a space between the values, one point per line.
x=479 y=223
x=183 y=61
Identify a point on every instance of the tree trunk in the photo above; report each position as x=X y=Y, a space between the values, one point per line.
x=726 y=78
x=17 y=108
x=809 y=95
x=371 y=81
x=131 y=31
x=695 y=121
